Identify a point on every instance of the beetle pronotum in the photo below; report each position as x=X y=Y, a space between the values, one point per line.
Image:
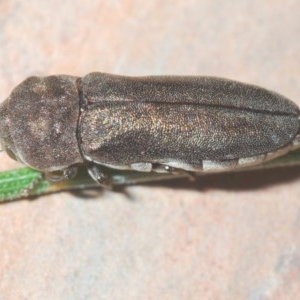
x=148 y=124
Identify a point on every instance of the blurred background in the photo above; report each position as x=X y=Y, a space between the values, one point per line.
x=230 y=236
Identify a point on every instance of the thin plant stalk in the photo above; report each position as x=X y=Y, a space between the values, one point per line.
x=26 y=182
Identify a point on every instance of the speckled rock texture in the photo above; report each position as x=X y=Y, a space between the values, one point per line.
x=229 y=236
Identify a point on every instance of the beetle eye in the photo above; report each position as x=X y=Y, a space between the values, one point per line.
x=10 y=153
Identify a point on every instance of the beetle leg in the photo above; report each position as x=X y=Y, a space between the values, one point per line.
x=61 y=175
x=161 y=168
x=99 y=176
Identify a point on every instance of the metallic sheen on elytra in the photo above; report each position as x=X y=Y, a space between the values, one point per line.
x=156 y=123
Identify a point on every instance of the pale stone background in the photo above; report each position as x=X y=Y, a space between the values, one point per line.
x=223 y=237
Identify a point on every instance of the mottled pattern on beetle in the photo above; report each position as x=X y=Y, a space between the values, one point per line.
x=45 y=113
x=190 y=123
x=209 y=91
x=132 y=120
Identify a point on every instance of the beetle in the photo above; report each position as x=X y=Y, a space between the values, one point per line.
x=148 y=124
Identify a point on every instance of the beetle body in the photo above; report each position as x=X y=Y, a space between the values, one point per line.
x=156 y=123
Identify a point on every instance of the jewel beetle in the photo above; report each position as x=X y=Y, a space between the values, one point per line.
x=148 y=124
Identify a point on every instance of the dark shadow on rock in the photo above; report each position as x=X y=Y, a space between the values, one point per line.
x=231 y=181
x=244 y=180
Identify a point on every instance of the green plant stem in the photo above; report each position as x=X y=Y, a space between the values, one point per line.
x=26 y=182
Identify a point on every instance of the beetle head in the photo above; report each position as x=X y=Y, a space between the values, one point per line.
x=38 y=123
